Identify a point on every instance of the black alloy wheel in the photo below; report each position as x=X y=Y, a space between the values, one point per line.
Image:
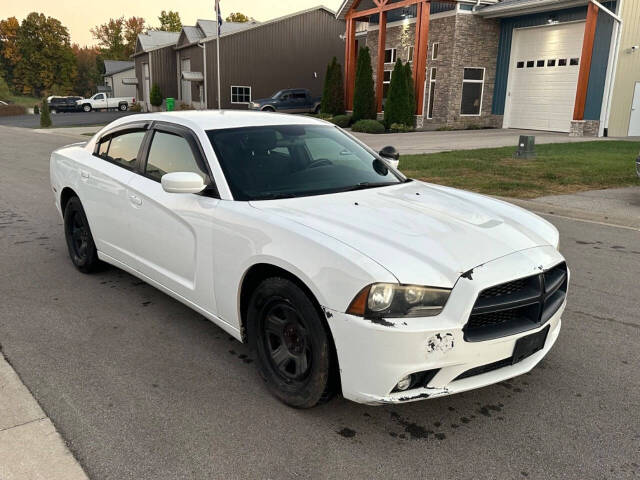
x=292 y=343
x=82 y=249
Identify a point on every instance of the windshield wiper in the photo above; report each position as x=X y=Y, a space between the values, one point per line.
x=276 y=196
x=365 y=185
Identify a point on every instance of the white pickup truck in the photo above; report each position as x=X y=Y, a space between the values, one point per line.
x=100 y=101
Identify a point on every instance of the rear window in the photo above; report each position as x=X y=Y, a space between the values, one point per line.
x=122 y=148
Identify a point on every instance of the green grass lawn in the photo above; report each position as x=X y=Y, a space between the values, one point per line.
x=559 y=168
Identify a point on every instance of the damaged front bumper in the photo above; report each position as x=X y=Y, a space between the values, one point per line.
x=373 y=357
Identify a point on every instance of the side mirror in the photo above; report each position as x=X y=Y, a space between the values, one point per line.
x=390 y=153
x=182 y=182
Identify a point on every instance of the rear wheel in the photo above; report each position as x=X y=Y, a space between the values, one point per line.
x=123 y=107
x=317 y=110
x=291 y=343
x=82 y=249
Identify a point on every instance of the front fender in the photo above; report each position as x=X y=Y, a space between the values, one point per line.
x=332 y=270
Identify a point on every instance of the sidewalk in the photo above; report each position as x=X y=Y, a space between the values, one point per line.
x=30 y=447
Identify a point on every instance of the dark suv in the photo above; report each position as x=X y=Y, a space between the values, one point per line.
x=291 y=100
x=64 y=104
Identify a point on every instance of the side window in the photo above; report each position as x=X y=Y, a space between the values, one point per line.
x=171 y=153
x=99 y=97
x=122 y=149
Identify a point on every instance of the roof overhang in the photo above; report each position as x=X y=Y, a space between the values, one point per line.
x=193 y=76
x=130 y=81
x=526 y=7
x=344 y=9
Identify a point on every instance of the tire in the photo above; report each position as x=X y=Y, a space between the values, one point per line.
x=82 y=249
x=317 y=110
x=86 y=107
x=268 y=109
x=291 y=343
x=123 y=107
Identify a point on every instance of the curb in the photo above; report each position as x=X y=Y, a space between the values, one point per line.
x=30 y=446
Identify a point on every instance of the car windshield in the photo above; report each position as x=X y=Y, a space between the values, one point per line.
x=285 y=161
x=277 y=94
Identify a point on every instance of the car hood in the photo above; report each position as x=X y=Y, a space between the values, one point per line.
x=263 y=100
x=423 y=234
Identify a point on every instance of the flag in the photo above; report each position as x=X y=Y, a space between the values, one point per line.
x=219 y=16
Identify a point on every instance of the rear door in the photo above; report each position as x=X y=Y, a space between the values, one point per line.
x=173 y=231
x=103 y=190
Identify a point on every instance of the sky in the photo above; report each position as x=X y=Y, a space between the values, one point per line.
x=81 y=15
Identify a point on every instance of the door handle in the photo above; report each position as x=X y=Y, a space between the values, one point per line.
x=135 y=200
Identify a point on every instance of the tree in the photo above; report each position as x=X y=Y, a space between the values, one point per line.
x=411 y=98
x=364 y=98
x=237 y=17
x=170 y=21
x=4 y=89
x=45 y=118
x=133 y=27
x=46 y=56
x=395 y=107
x=9 y=51
x=333 y=91
x=89 y=75
x=155 y=97
x=117 y=37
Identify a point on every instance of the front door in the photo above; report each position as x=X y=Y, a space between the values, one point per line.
x=100 y=101
x=173 y=231
x=186 y=84
x=634 y=120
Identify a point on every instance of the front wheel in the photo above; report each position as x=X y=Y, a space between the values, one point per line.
x=268 y=109
x=291 y=343
x=80 y=244
x=317 y=110
x=86 y=107
x=123 y=107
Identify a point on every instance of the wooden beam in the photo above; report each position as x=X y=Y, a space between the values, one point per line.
x=350 y=63
x=389 y=6
x=416 y=41
x=382 y=42
x=420 y=62
x=585 y=62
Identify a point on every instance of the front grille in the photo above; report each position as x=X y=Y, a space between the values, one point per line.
x=517 y=306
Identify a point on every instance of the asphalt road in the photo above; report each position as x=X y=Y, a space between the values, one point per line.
x=141 y=387
x=65 y=119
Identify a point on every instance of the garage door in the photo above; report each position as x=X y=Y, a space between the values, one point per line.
x=543 y=77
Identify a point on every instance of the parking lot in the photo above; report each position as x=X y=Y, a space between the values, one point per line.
x=142 y=387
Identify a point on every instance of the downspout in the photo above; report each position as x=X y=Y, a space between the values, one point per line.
x=475 y=7
x=612 y=66
x=203 y=46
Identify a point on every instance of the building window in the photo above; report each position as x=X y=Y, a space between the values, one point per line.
x=574 y=61
x=240 y=94
x=390 y=55
x=409 y=54
x=432 y=91
x=530 y=63
x=540 y=63
x=472 y=89
x=386 y=81
x=551 y=62
x=520 y=65
x=562 y=62
x=435 y=47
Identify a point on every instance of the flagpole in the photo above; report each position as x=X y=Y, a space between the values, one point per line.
x=218 y=48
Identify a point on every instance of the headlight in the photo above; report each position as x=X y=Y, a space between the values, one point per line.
x=392 y=300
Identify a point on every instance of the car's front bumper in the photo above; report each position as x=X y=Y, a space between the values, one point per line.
x=638 y=166
x=373 y=357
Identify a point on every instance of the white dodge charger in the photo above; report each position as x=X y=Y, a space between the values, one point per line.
x=293 y=236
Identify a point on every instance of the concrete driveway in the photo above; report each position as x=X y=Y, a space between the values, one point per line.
x=142 y=387
x=431 y=142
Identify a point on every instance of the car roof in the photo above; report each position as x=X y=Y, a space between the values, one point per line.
x=222 y=119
